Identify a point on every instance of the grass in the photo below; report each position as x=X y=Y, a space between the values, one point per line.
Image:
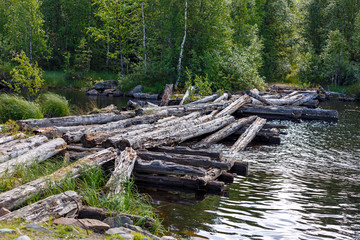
x=54 y=105
x=351 y=90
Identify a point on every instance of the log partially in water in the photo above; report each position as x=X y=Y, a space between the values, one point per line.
x=174 y=182
x=35 y=155
x=63 y=204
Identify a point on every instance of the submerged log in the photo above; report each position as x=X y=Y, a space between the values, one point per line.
x=19 y=195
x=63 y=204
x=230 y=109
x=167 y=94
x=248 y=135
x=35 y=155
x=16 y=148
x=225 y=132
x=188 y=151
x=205 y=99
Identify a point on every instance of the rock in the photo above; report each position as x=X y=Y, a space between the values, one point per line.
x=118 y=94
x=4 y=211
x=118 y=230
x=93 y=213
x=6 y=230
x=86 y=223
x=92 y=92
x=108 y=92
x=108 y=84
x=167 y=238
x=118 y=221
x=24 y=237
x=36 y=227
x=137 y=89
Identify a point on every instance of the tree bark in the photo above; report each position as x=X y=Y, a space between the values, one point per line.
x=182 y=48
x=167 y=94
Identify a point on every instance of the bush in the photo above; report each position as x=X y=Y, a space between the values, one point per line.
x=16 y=108
x=53 y=105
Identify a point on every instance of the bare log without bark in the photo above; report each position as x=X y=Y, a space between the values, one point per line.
x=37 y=154
x=123 y=168
x=8 y=137
x=223 y=97
x=305 y=99
x=205 y=99
x=188 y=151
x=234 y=106
x=225 y=132
x=167 y=94
x=253 y=94
x=248 y=135
x=146 y=96
x=63 y=204
x=19 y=195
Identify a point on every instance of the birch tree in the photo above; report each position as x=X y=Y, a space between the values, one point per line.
x=182 y=47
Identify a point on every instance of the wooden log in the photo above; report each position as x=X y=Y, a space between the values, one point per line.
x=226 y=177
x=205 y=99
x=186 y=95
x=223 y=97
x=83 y=149
x=16 y=148
x=74 y=120
x=124 y=166
x=305 y=99
x=199 y=161
x=282 y=101
x=188 y=151
x=233 y=106
x=63 y=204
x=167 y=94
x=8 y=137
x=311 y=104
x=253 y=94
x=215 y=187
x=167 y=168
x=37 y=154
x=225 y=132
x=19 y=195
x=172 y=181
x=248 y=135
x=150 y=104
x=240 y=168
x=211 y=175
x=146 y=96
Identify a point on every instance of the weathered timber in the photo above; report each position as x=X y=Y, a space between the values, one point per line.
x=74 y=120
x=19 y=195
x=240 y=168
x=248 y=135
x=167 y=168
x=186 y=95
x=8 y=137
x=305 y=99
x=124 y=166
x=225 y=132
x=226 y=177
x=63 y=204
x=223 y=97
x=281 y=101
x=311 y=104
x=83 y=149
x=35 y=155
x=167 y=94
x=205 y=99
x=199 y=161
x=188 y=151
x=155 y=180
x=146 y=96
x=255 y=95
x=230 y=109
x=16 y=148
x=215 y=187
x=211 y=175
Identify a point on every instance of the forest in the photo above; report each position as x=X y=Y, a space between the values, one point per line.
x=224 y=44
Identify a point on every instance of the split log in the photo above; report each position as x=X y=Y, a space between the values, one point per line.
x=305 y=99
x=188 y=151
x=198 y=161
x=19 y=195
x=186 y=95
x=205 y=99
x=225 y=132
x=37 y=155
x=234 y=106
x=8 y=137
x=74 y=120
x=225 y=96
x=253 y=94
x=16 y=148
x=248 y=135
x=146 y=96
x=167 y=168
x=63 y=204
x=167 y=94
x=124 y=166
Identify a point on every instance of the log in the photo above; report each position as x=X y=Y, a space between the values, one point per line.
x=253 y=94
x=8 y=137
x=226 y=177
x=215 y=187
x=225 y=132
x=167 y=168
x=305 y=99
x=83 y=149
x=63 y=204
x=150 y=104
x=186 y=95
x=199 y=161
x=124 y=166
x=240 y=168
x=172 y=181
x=282 y=101
x=248 y=135
x=37 y=155
x=233 y=106
x=16 y=148
x=225 y=96
x=19 y=195
x=146 y=96
x=188 y=151
x=167 y=94
x=205 y=99
x=74 y=120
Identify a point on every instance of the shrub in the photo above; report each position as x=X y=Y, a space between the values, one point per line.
x=53 y=105
x=16 y=108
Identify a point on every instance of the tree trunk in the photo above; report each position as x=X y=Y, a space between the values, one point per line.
x=305 y=99
x=121 y=59
x=233 y=106
x=182 y=48
x=188 y=151
x=253 y=94
x=8 y=138
x=167 y=94
x=63 y=204
x=225 y=96
x=205 y=99
x=144 y=35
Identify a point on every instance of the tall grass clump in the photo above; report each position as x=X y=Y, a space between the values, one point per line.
x=16 y=108
x=53 y=105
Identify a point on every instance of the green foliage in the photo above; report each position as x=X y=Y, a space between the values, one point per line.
x=26 y=75
x=17 y=108
x=200 y=83
x=53 y=105
x=82 y=58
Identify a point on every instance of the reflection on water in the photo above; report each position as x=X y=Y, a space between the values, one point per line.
x=306 y=188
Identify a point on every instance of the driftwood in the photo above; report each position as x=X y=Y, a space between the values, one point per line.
x=8 y=137
x=233 y=106
x=254 y=94
x=188 y=151
x=225 y=132
x=167 y=94
x=63 y=204
x=223 y=97
x=83 y=149
x=205 y=99
x=174 y=182
x=16 y=148
x=35 y=155
x=186 y=95
x=248 y=135
x=124 y=166
x=305 y=99
x=19 y=195
x=146 y=96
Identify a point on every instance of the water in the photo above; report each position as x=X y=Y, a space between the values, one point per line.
x=306 y=188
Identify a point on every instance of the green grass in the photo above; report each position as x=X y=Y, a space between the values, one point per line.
x=54 y=105
x=351 y=90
